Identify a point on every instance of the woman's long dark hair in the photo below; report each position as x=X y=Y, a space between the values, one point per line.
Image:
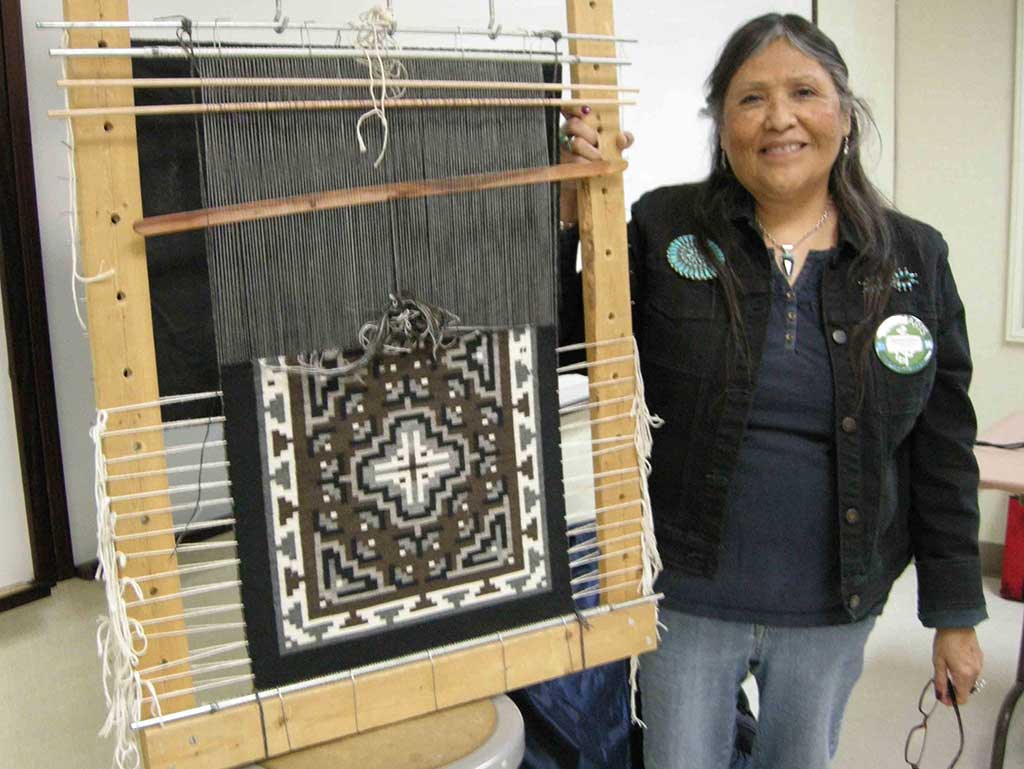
x=861 y=207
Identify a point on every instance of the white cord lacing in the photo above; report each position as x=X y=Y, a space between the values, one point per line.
x=377 y=36
x=120 y=640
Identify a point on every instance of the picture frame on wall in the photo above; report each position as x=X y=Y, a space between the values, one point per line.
x=1015 y=267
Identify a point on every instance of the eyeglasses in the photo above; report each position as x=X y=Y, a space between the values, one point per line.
x=917 y=738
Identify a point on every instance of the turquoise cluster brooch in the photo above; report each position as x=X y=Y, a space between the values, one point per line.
x=903 y=280
x=685 y=258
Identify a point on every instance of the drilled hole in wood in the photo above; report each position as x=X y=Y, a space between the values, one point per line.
x=593 y=3
x=127 y=373
x=102 y=44
x=145 y=520
x=115 y=218
x=608 y=252
x=108 y=126
x=153 y=591
x=137 y=446
x=615 y=375
x=611 y=316
x=121 y=296
x=604 y=190
x=622 y=497
x=597 y=67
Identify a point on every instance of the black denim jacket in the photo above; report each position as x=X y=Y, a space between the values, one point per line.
x=906 y=477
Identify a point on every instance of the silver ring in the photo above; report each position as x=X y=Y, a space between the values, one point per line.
x=566 y=141
x=980 y=684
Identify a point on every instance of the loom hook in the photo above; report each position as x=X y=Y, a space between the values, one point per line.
x=433 y=677
x=279 y=18
x=355 y=698
x=493 y=27
x=307 y=36
x=216 y=35
x=284 y=719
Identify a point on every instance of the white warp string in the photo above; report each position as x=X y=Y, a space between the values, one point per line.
x=377 y=36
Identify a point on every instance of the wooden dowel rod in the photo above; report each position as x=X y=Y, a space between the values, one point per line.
x=326 y=104
x=326 y=82
x=185 y=221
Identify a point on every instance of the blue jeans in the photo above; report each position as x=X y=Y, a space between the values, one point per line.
x=690 y=685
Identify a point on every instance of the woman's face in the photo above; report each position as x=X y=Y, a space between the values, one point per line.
x=783 y=125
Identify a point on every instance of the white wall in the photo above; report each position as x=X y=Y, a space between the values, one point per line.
x=865 y=33
x=954 y=138
x=679 y=43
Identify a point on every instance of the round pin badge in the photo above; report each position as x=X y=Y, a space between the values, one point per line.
x=904 y=344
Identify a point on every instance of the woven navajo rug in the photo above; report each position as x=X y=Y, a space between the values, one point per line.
x=415 y=504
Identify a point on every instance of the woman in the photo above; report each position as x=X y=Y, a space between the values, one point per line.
x=807 y=350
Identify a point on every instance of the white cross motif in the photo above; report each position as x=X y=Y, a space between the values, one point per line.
x=414 y=466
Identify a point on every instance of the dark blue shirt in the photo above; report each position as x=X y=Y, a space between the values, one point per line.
x=780 y=559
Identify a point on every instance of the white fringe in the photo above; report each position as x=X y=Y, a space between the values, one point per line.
x=120 y=640
x=651 y=560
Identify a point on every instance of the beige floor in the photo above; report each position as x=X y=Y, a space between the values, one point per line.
x=52 y=705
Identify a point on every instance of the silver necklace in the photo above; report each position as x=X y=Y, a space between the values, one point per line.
x=788 y=248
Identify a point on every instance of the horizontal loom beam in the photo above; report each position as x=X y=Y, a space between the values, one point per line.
x=326 y=82
x=277 y=723
x=185 y=221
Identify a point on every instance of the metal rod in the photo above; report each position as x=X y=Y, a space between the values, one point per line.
x=305 y=52
x=162 y=426
x=169 y=470
x=544 y=34
x=166 y=452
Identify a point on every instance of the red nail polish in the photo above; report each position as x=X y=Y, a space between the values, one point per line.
x=585 y=110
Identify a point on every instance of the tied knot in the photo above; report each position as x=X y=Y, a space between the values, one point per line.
x=406 y=325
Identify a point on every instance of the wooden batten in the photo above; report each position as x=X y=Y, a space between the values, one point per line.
x=278 y=724
x=120 y=323
x=606 y=291
x=186 y=221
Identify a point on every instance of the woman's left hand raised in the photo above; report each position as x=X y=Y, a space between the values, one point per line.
x=580 y=140
x=956 y=655
x=578 y=143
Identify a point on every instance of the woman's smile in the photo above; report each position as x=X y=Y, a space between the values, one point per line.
x=782 y=151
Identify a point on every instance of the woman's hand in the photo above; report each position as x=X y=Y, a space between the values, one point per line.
x=956 y=654
x=578 y=143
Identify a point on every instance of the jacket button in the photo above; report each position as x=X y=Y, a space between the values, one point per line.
x=849 y=425
x=854 y=601
x=839 y=336
x=852 y=516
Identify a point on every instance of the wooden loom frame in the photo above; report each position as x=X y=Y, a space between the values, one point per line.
x=124 y=368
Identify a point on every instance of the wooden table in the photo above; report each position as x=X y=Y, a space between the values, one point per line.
x=1004 y=470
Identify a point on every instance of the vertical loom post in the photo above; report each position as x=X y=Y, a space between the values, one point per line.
x=120 y=321
x=606 y=290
